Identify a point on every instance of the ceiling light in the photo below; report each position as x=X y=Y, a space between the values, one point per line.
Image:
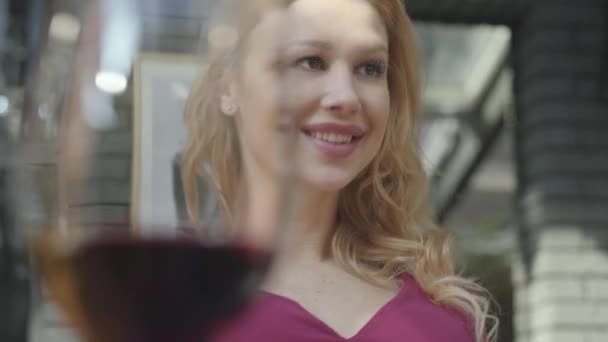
x=111 y=82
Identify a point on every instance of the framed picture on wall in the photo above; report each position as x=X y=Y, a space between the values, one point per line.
x=161 y=84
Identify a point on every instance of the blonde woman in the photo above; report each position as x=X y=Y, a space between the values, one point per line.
x=365 y=261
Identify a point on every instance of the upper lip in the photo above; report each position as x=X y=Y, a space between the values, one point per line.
x=336 y=128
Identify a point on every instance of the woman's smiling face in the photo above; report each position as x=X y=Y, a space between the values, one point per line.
x=325 y=63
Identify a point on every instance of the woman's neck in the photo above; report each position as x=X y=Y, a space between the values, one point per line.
x=308 y=216
x=311 y=220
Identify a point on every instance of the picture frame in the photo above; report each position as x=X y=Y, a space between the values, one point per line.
x=161 y=84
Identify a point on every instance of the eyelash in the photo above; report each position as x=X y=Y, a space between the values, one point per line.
x=378 y=67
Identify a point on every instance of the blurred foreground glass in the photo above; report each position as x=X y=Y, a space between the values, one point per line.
x=157 y=276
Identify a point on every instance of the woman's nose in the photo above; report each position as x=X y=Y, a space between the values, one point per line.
x=341 y=95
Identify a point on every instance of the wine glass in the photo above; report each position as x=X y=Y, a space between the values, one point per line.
x=142 y=266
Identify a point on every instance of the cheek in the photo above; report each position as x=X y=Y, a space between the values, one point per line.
x=379 y=109
x=257 y=101
x=258 y=121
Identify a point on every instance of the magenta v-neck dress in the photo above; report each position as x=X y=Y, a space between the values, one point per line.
x=410 y=316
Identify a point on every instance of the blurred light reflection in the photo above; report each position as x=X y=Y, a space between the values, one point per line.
x=111 y=82
x=64 y=27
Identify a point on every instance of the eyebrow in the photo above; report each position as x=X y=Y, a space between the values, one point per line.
x=322 y=44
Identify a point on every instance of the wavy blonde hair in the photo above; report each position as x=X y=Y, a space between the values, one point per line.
x=384 y=226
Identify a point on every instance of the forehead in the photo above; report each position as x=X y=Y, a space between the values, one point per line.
x=351 y=17
x=336 y=21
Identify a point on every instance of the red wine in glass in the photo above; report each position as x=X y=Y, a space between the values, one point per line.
x=126 y=288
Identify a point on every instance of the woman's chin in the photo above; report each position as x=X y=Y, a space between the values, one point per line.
x=326 y=181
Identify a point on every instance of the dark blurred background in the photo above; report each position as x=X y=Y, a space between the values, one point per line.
x=515 y=140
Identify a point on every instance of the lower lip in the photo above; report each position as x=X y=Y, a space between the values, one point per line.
x=334 y=150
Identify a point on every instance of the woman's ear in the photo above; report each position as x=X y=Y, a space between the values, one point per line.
x=228 y=105
x=228 y=99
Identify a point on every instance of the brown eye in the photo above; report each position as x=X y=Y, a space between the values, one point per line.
x=374 y=69
x=313 y=63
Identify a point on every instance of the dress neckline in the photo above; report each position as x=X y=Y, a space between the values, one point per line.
x=407 y=280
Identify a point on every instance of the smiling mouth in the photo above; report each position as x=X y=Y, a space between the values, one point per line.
x=332 y=138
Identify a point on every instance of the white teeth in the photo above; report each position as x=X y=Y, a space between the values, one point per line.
x=332 y=137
